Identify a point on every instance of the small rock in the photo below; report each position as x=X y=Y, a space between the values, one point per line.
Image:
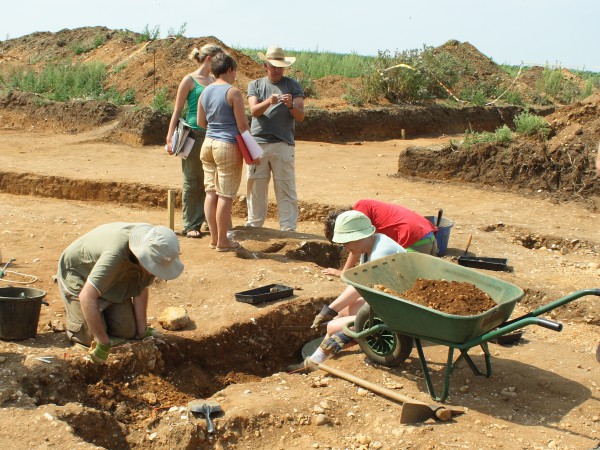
x=149 y=397
x=324 y=404
x=322 y=419
x=317 y=409
x=2 y=359
x=361 y=392
x=57 y=326
x=364 y=440
x=464 y=389
x=174 y=318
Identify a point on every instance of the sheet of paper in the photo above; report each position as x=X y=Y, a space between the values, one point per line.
x=253 y=147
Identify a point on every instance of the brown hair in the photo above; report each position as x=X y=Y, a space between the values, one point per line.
x=205 y=50
x=330 y=221
x=221 y=63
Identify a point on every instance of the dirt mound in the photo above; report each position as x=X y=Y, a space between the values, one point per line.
x=450 y=297
x=562 y=166
x=480 y=71
x=132 y=63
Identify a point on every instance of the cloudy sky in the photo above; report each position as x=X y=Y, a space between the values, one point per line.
x=540 y=32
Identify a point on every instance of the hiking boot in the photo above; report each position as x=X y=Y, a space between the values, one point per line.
x=304 y=367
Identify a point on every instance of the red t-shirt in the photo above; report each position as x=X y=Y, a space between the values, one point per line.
x=399 y=223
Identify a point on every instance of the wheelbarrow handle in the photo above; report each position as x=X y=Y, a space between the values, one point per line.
x=550 y=324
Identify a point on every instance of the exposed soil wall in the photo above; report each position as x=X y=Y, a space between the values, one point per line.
x=143 y=126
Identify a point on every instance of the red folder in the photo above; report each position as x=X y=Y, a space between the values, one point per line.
x=243 y=149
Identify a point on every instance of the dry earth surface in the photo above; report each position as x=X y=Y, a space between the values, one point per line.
x=543 y=392
x=66 y=168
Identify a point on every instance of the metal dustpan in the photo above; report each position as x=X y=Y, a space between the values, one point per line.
x=478 y=262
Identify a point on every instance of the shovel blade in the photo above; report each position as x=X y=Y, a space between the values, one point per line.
x=420 y=412
x=415 y=413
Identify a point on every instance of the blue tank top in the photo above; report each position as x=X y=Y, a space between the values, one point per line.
x=192 y=104
x=219 y=115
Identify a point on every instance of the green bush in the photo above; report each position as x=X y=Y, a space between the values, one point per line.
x=532 y=125
x=180 y=33
x=306 y=81
x=148 y=34
x=353 y=96
x=129 y=97
x=160 y=102
x=413 y=76
x=513 y=98
x=554 y=84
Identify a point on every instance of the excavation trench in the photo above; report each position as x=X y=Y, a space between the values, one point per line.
x=145 y=377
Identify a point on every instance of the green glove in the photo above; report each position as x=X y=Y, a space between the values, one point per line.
x=99 y=352
x=326 y=314
x=151 y=332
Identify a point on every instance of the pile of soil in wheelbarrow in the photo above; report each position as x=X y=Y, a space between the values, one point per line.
x=450 y=297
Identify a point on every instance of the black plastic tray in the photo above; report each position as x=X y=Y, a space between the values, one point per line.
x=483 y=263
x=264 y=294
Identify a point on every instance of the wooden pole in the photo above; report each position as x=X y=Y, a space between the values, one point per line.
x=403 y=133
x=171 y=208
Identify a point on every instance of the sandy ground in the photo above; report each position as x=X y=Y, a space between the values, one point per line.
x=554 y=376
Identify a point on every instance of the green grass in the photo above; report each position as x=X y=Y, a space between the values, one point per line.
x=502 y=134
x=316 y=64
x=63 y=82
x=532 y=125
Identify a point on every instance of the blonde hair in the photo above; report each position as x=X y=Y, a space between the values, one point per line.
x=205 y=50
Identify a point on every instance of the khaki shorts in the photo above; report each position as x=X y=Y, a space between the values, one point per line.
x=223 y=163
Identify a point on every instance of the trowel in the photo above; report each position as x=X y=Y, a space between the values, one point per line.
x=206 y=408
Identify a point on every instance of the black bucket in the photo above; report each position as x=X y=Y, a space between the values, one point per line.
x=20 y=312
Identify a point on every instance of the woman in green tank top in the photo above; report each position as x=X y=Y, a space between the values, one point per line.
x=190 y=88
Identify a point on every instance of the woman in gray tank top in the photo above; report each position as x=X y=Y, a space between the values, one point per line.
x=221 y=111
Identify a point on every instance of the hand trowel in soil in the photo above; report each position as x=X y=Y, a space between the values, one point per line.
x=207 y=408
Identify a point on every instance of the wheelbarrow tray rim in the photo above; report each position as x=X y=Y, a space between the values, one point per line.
x=399 y=272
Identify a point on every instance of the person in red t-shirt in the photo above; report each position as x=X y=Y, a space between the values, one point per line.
x=409 y=229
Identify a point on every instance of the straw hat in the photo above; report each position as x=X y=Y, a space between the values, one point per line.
x=157 y=250
x=352 y=226
x=277 y=58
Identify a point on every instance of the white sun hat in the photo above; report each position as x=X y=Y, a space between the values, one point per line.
x=352 y=226
x=157 y=250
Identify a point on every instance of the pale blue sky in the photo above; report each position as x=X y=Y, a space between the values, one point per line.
x=539 y=32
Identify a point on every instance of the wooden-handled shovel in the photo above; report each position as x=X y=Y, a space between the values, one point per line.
x=413 y=411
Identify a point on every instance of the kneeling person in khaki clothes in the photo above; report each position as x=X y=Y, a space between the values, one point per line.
x=104 y=278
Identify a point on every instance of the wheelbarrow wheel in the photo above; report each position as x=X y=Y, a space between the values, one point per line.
x=385 y=347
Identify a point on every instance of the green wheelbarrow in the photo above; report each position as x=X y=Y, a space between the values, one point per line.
x=387 y=327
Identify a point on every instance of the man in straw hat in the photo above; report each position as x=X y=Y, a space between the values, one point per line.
x=357 y=233
x=104 y=278
x=276 y=104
